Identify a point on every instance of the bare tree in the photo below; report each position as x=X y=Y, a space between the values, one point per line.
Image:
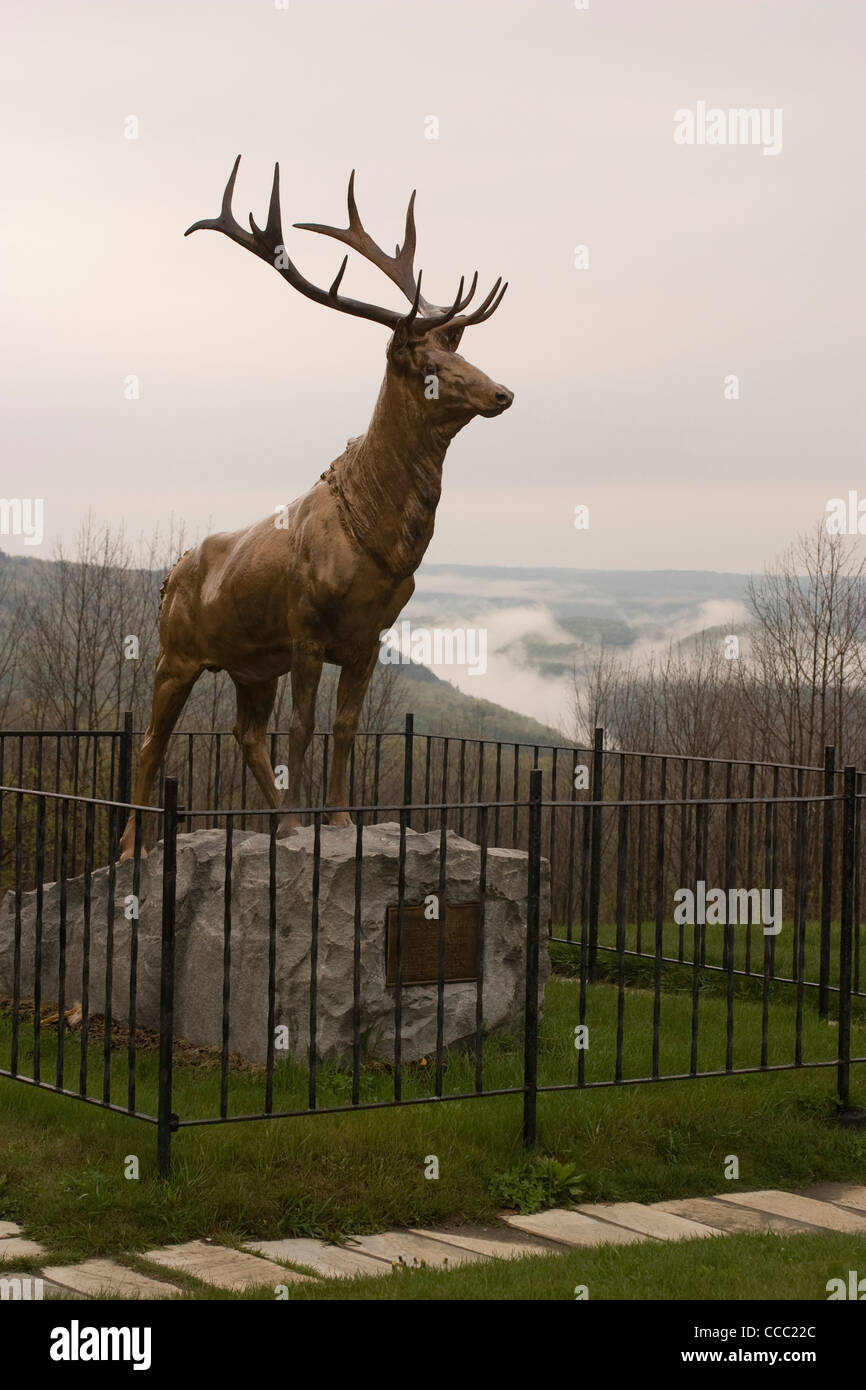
x=13 y=634
x=804 y=687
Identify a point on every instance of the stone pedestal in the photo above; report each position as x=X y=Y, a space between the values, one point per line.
x=198 y=998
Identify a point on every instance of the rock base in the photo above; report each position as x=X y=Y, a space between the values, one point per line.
x=200 y=942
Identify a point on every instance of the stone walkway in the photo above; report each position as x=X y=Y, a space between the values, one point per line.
x=826 y=1207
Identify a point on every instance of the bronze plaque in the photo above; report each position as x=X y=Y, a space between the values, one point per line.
x=421 y=944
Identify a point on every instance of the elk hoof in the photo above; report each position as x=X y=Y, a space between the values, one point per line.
x=128 y=852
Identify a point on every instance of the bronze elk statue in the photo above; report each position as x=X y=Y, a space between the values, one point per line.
x=323 y=581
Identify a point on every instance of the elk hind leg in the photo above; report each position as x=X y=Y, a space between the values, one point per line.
x=254 y=706
x=306 y=673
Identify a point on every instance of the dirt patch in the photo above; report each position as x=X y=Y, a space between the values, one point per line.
x=144 y=1040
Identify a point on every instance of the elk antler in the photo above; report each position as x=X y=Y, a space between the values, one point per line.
x=400 y=269
x=483 y=310
x=268 y=245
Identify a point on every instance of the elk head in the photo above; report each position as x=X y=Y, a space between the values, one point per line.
x=424 y=341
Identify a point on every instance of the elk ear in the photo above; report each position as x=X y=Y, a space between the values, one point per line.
x=399 y=343
x=450 y=337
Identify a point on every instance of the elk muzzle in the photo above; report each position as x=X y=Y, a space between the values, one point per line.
x=502 y=399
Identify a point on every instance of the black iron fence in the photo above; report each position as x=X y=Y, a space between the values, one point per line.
x=210 y=771
x=705 y=916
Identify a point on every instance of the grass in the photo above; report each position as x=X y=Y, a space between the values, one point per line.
x=749 y=945
x=62 y=1165
x=730 y=1268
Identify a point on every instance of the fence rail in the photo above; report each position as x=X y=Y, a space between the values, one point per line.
x=609 y=867
x=210 y=771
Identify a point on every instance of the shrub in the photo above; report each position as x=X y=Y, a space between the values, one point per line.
x=537 y=1184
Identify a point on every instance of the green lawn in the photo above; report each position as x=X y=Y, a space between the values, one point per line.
x=749 y=945
x=62 y=1164
x=730 y=1268
x=197 y=1088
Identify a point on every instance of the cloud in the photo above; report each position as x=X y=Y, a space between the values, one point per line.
x=513 y=678
x=654 y=636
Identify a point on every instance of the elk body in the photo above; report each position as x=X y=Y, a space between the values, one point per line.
x=320 y=582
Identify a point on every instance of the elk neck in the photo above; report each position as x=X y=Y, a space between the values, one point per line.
x=389 y=480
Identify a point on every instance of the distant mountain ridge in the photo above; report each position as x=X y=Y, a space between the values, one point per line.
x=549 y=621
x=541 y=625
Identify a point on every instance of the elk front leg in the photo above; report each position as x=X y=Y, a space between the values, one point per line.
x=171 y=687
x=307 y=661
x=354 y=680
x=254 y=706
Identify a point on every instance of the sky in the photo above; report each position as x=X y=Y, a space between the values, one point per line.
x=556 y=130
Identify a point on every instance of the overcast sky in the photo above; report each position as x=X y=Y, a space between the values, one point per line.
x=556 y=129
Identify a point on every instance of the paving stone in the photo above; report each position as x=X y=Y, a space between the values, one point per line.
x=16 y=1247
x=331 y=1261
x=573 y=1228
x=823 y=1214
x=826 y=1206
x=222 y=1267
x=96 y=1277
x=649 y=1221
x=49 y=1288
x=840 y=1193
x=497 y=1244
x=390 y=1246
x=731 y=1219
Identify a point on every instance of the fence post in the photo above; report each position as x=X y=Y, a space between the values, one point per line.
x=533 y=937
x=827 y=882
x=166 y=1121
x=123 y=790
x=408 y=749
x=124 y=779
x=595 y=847
x=849 y=813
